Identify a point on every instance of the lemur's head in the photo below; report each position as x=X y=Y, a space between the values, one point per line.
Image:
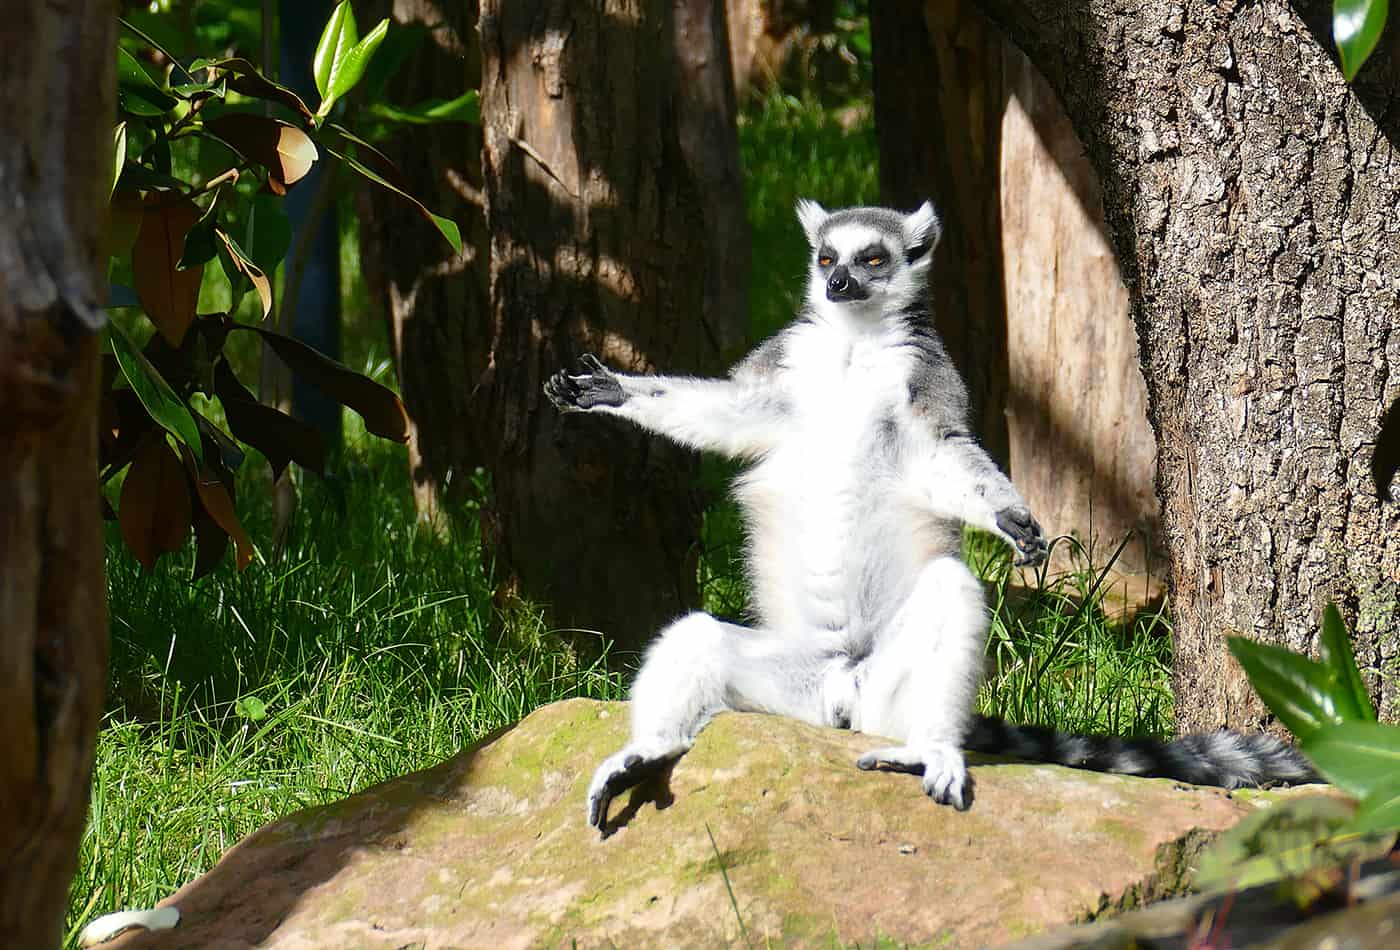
x=870 y=260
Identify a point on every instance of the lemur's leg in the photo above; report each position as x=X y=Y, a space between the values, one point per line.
x=698 y=667
x=737 y=419
x=959 y=481
x=919 y=684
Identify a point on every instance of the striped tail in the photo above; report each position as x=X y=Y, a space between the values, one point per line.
x=1224 y=759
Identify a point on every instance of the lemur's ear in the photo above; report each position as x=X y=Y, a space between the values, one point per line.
x=923 y=230
x=812 y=216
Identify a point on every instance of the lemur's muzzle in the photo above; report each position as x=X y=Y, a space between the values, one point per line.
x=842 y=287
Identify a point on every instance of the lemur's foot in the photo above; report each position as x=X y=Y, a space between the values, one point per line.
x=946 y=780
x=598 y=386
x=616 y=775
x=1021 y=528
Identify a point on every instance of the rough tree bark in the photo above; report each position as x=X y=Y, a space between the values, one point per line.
x=435 y=299
x=1252 y=196
x=597 y=215
x=56 y=106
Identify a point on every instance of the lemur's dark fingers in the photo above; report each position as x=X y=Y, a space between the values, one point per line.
x=593 y=364
x=1023 y=530
x=562 y=391
x=634 y=770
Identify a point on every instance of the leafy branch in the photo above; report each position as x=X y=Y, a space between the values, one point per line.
x=198 y=178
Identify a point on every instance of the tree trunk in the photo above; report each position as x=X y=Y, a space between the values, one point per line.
x=1082 y=450
x=435 y=299
x=56 y=107
x=1252 y=198
x=597 y=215
x=938 y=106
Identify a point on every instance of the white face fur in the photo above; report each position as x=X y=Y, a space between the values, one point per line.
x=867 y=261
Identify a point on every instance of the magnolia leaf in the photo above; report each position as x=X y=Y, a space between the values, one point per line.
x=211 y=543
x=248 y=81
x=164 y=406
x=284 y=150
x=1337 y=657
x=137 y=92
x=155 y=504
x=168 y=295
x=1357 y=26
x=338 y=37
x=118 y=155
x=465 y=108
x=1359 y=757
x=376 y=160
x=275 y=434
x=125 y=427
x=446 y=227
x=200 y=244
x=245 y=266
x=1300 y=692
x=217 y=502
x=347 y=71
x=381 y=409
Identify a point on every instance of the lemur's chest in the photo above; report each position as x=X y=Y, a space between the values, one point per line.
x=844 y=388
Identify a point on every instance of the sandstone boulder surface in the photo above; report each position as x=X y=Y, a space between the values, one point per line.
x=766 y=829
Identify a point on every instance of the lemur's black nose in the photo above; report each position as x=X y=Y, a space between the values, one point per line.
x=840 y=286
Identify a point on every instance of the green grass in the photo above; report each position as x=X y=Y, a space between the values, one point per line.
x=1057 y=657
x=366 y=648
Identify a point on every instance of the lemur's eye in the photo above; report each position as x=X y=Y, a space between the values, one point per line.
x=874 y=261
x=824 y=260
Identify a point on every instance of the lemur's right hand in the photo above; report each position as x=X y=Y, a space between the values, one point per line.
x=1023 y=531
x=598 y=386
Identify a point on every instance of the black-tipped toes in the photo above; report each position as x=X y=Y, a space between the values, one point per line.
x=635 y=770
x=1024 y=531
x=598 y=386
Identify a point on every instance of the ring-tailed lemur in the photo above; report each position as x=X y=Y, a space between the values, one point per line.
x=863 y=472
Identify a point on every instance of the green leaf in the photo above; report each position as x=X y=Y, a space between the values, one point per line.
x=465 y=108
x=1380 y=810
x=151 y=42
x=1297 y=690
x=1284 y=840
x=251 y=708
x=1360 y=757
x=165 y=407
x=136 y=91
x=337 y=39
x=349 y=70
x=1357 y=26
x=1337 y=657
x=118 y=155
x=446 y=226
x=382 y=411
x=200 y=246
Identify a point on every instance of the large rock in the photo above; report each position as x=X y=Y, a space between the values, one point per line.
x=490 y=849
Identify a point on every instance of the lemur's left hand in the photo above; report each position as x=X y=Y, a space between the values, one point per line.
x=1023 y=531
x=598 y=386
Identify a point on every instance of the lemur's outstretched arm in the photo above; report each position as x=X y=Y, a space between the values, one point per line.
x=959 y=481
x=739 y=419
